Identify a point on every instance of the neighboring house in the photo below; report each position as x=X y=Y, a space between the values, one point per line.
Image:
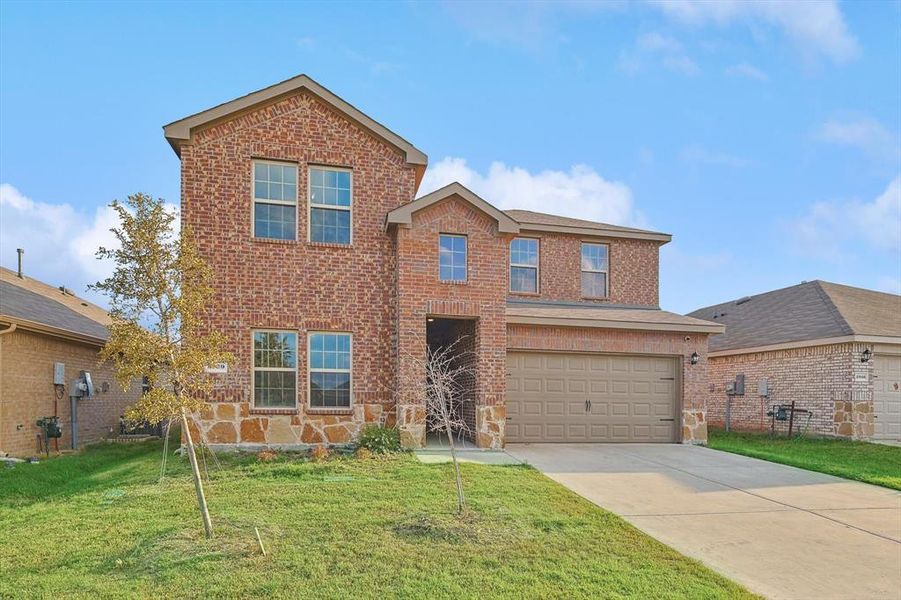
x=41 y=325
x=833 y=349
x=330 y=275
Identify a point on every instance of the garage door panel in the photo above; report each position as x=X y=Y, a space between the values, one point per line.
x=547 y=393
x=887 y=397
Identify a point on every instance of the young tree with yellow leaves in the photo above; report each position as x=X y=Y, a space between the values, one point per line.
x=158 y=294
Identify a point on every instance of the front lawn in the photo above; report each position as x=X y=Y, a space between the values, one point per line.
x=871 y=463
x=100 y=524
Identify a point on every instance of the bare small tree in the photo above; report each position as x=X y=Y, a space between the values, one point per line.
x=445 y=367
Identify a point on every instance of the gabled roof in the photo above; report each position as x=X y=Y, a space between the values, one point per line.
x=34 y=305
x=403 y=215
x=808 y=312
x=537 y=221
x=180 y=131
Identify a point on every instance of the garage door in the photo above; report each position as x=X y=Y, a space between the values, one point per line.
x=887 y=397
x=557 y=397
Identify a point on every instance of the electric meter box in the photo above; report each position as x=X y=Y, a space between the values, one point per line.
x=59 y=373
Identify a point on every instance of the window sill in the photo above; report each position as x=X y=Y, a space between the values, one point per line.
x=529 y=294
x=597 y=298
x=274 y=241
x=330 y=245
x=273 y=411
x=329 y=411
x=447 y=282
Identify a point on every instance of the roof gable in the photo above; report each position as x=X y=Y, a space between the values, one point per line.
x=180 y=131
x=403 y=215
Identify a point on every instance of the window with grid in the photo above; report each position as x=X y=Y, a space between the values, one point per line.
x=331 y=198
x=274 y=369
x=274 y=200
x=330 y=370
x=594 y=270
x=524 y=265
x=452 y=257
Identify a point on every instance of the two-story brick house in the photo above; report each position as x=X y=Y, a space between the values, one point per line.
x=331 y=275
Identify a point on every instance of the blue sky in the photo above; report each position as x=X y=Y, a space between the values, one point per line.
x=764 y=137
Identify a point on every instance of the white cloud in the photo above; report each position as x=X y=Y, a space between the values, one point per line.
x=817 y=28
x=580 y=192
x=657 y=47
x=828 y=228
x=862 y=132
x=746 y=70
x=698 y=155
x=60 y=242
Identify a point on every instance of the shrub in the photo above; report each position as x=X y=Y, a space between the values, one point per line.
x=319 y=453
x=379 y=439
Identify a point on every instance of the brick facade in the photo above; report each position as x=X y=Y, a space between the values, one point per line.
x=830 y=380
x=693 y=377
x=27 y=394
x=382 y=288
x=633 y=269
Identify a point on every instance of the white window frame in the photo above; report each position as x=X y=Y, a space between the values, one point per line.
x=536 y=266
x=310 y=371
x=254 y=368
x=254 y=199
x=311 y=206
x=606 y=271
x=465 y=258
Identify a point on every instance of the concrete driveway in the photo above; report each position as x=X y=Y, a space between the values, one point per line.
x=780 y=531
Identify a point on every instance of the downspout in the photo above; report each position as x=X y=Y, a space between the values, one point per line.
x=73 y=409
x=9 y=329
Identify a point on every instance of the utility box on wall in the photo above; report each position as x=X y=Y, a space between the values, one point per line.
x=59 y=373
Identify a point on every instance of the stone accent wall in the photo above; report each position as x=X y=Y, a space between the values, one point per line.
x=829 y=380
x=621 y=341
x=27 y=392
x=422 y=294
x=633 y=269
x=296 y=285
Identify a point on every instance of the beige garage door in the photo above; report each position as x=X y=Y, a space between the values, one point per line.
x=557 y=397
x=887 y=397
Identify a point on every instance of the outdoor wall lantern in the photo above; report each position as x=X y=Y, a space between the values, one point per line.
x=865 y=357
x=695 y=357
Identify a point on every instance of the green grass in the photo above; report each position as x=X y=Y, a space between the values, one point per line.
x=871 y=463
x=99 y=524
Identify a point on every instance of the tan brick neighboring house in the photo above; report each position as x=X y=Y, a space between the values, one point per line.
x=41 y=325
x=833 y=349
x=331 y=274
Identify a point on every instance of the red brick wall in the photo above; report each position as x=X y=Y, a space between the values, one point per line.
x=615 y=341
x=421 y=293
x=27 y=391
x=296 y=285
x=633 y=269
x=818 y=378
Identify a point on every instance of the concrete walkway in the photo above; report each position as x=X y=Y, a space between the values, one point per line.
x=780 y=531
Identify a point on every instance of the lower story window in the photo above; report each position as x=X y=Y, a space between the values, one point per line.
x=330 y=370
x=274 y=369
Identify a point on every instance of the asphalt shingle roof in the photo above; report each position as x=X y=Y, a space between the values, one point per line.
x=538 y=218
x=808 y=311
x=34 y=301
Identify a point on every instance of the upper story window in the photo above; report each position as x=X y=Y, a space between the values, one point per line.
x=274 y=369
x=524 y=265
x=594 y=270
x=331 y=198
x=274 y=200
x=451 y=257
x=330 y=370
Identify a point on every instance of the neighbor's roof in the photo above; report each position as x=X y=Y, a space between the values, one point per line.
x=815 y=310
x=36 y=306
x=536 y=221
x=592 y=315
x=180 y=131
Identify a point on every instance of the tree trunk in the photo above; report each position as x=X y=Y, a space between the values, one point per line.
x=445 y=415
x=198 y=484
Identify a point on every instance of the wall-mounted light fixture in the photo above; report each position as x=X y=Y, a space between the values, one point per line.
x=695 y=357
x=865 y=357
